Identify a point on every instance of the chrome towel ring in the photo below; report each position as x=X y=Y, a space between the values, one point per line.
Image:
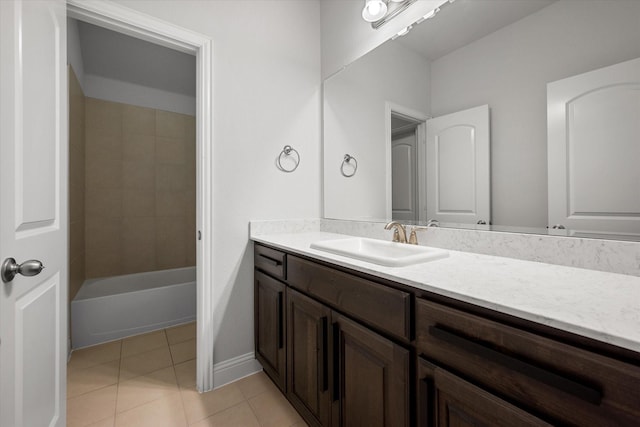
x=347 y=162
x=286 y=152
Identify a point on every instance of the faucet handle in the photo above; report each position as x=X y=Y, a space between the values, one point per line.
x=413 y=237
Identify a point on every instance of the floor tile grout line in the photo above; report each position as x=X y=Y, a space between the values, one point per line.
x=184 y=408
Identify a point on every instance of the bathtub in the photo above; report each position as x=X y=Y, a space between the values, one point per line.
x=110 y=308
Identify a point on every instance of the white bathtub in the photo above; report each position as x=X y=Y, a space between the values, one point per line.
x=116 y=307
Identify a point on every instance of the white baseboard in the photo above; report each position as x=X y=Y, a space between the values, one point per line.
x=234 y=369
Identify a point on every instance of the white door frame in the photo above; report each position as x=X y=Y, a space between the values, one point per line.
x=127 y=21
x=421 y=141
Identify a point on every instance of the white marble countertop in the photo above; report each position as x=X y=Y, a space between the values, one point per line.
x=599 y=305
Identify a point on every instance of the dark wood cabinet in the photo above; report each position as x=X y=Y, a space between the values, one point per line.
x=269 y=300
x=446 y=400
x=567 y=384
x=371 y=378
x=349 y=349
x=308 y=358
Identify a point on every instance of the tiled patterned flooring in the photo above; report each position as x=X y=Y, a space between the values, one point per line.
x=149 y=380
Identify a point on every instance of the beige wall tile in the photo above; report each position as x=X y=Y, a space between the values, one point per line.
x=170 y=151
x=76 y=275
x=138 y=244
x=190 y=129
x=103 y=247
x=137 y=203
x=103 y=146
x=171 y=243
x=102 y=174
x=171 y=178
x=76 y=240
x=76 y=203
x=76 y=185
x=138 y=120
x=146 y=159
x=170 y=125
x=138 y=176
x=139 y=148
x=171 y=203
x=104 y=115
x=91 y=407
x=76 y=165
x=104 y=203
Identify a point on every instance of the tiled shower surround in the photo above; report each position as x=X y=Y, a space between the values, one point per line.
x=77 y=145
x=139 y=189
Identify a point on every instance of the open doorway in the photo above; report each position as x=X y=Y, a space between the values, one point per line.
x=404 y=168
x=406 y=163
x=188 y=211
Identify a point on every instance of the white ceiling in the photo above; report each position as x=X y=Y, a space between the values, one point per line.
x=459 y=23
x=117 y=56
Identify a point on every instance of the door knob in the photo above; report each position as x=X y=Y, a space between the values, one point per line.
x=10 y=268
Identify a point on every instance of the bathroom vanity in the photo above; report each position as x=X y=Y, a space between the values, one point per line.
x=467 y=340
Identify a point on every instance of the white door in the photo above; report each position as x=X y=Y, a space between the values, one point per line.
x=593 y=150
x=404 y=177
x=33 y=211
x=458 y=167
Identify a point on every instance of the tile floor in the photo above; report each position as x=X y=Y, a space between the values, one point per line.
x=149 y=380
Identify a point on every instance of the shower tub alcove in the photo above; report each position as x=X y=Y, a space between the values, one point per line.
x=111 y=308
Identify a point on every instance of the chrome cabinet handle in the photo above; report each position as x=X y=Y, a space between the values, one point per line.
x=10 y=268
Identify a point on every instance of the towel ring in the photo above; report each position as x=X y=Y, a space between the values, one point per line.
x=286 y=151
x=347 y=161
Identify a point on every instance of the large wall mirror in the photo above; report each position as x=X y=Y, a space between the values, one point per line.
x=496 y=114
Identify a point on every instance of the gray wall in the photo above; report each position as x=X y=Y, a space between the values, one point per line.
x=354 y=123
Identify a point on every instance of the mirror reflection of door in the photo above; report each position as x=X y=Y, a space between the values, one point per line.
x=593 y=146
x=458 y=167
x=404 y=168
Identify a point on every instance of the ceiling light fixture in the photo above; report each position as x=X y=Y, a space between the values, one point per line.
x=374 y=10
x=428 y=15
x=379 y=12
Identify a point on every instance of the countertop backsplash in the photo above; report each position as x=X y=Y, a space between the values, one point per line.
x=595 y=254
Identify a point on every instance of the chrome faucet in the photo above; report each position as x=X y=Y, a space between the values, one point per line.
x=399 y=232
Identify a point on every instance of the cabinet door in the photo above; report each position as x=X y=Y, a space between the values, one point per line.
x=371 y=378
x=307 y=353
x=445 y=400
x=269 y=297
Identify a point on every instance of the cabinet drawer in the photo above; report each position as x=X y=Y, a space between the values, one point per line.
x=568 y=384
x=447 y=400
x=383 y=307
x=270 y=261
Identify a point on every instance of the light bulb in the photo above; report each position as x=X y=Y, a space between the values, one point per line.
x=374 y=10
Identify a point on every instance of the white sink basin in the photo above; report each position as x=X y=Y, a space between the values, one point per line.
x=380 y=252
